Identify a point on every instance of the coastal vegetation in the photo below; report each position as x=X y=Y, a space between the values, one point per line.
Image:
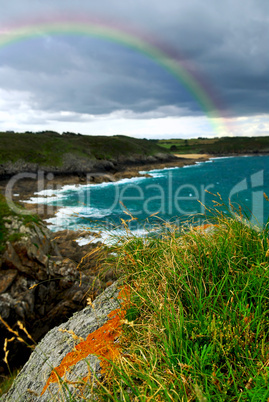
x=6 y=214
x=197 y=324
x=49 y=147
x=196 y=327
x=217 y=146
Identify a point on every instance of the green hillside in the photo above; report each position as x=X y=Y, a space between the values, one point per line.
x=48 y=147
x=224 y=145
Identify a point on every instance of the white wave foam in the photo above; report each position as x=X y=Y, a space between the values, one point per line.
x=112 y=236
x=65 y=217
x=68 y=211
x=104 y=237
x=222 y=157
x=82 y=212
x=82 y=241
x=48 y=192
x=69 y=187
x=158 y=172
x=94 y=213
x=131 y=180
x=157 y=175
x=47 y=196
x=196 y=164
x=43 y=200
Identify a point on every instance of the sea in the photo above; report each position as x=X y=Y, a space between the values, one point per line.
x=173 y=197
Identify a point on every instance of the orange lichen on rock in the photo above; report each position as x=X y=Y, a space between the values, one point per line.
x=100 y=343
x=124 y=294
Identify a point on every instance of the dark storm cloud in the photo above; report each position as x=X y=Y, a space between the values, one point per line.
x=226 y=43
x=88 y=76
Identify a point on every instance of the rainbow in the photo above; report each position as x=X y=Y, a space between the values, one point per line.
x=156 y=52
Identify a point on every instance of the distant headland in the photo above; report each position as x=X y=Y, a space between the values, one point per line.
x=72 y=158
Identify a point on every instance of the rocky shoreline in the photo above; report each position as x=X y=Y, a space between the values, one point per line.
x=54 y=347
x=23 y=188
x=45 y=277
x=40 y=283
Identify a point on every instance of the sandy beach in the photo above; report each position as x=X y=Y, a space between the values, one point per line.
x=193 y=156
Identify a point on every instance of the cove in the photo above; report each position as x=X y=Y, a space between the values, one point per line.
x=170 y=194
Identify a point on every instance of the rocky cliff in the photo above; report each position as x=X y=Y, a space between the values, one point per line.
x=40 y=283
x=36 y=381
x=74 y=164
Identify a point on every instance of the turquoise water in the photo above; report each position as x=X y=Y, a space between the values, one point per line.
x=169 y=195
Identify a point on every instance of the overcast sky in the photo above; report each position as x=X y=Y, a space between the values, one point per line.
x=95 y=85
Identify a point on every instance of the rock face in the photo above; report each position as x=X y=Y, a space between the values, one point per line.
x=74 y=164
x=41 y=288
x=50 y=352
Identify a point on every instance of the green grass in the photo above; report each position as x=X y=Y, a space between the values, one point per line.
x=7 y=381
x=49 y=148
x=198 y=319
x=217 y=146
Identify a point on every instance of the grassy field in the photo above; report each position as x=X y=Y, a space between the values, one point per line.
x=224 y=145
x=48 y=148
x=197 y=326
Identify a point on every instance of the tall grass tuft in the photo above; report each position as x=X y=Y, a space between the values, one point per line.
x=197 y=326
